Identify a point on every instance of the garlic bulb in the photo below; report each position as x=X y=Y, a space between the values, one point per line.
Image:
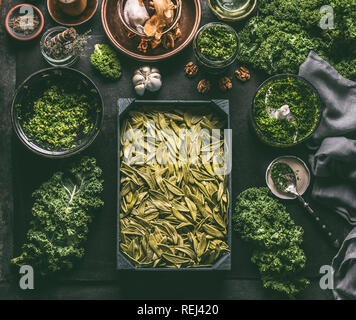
x=147 y=78
x=135 y=14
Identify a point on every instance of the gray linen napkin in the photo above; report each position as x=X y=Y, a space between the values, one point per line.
x=333 y=161
x=344 y=265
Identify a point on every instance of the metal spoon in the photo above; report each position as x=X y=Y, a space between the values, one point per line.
x=287 y=183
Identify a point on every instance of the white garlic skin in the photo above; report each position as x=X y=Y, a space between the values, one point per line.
x=283 y=112
x=154 y=82
x=140 y=89
x=147 y=78
x=135 y=14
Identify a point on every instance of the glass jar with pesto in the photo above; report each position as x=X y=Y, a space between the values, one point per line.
x=286 y=110
x=216 y=47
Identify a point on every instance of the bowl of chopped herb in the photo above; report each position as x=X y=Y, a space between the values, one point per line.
x=24 y=22
x=216 y=47
x=57 y=112
x=286 y=110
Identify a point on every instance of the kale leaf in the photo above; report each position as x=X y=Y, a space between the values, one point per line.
x=106 y=61
x=63 y=208
x=280 y=37
x=264 y=221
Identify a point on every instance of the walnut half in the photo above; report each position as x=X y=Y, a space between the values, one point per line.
x=191 y=69
x=204 y=86
x=225 y=84
x=243 y=74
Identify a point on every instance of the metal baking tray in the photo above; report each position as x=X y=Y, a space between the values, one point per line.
x=221 y=107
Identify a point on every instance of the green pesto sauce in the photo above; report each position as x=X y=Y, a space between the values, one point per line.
x=281 y=175
x=217 y=43
x=304 y=106
x=59 y=118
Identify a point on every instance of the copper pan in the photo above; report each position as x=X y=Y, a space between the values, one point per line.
x=117 y=33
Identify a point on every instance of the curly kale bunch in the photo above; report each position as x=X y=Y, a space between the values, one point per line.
x=63 y=208
x=106 y=61
x=280 y=37
x=264 y=221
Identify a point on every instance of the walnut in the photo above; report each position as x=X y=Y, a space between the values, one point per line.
x=191 y=69
x=243 y=74
x=204 y=86
x=168 y=41
x=143 y=46
x=225 y=84
x=155 y=43
x=177 y=32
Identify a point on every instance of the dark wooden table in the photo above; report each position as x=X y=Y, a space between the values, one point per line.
x=95 y=277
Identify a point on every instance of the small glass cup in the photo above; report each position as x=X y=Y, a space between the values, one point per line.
x=211 y=66
x=66 y=62
x=232 y=10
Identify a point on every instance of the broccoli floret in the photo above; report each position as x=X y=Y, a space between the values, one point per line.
x=106 y=61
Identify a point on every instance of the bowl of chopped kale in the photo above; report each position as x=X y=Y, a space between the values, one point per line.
x=286 y=110
x=57 y=112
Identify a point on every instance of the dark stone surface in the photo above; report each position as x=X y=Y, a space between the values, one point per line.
x=96 y=275
x=7 y=85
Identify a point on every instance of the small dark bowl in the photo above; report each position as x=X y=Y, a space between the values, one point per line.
x=63 y=19
x=276 y=143
x=33 y=87
x=16 y=11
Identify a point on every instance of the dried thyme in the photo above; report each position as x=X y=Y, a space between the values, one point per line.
x=65 y=44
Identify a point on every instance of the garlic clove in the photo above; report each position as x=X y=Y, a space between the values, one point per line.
x=140 y=89
x=154 y=76
x=145 y=71
x=138 y=79
x=154 y=84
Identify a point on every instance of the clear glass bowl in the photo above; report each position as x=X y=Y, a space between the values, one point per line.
x=297 y=80
x=232 y=10
x=212 y=66
x=66 y=62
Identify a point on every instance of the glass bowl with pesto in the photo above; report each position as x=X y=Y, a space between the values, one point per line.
x=57 y=112
x=286 y=110
x=216 y=47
